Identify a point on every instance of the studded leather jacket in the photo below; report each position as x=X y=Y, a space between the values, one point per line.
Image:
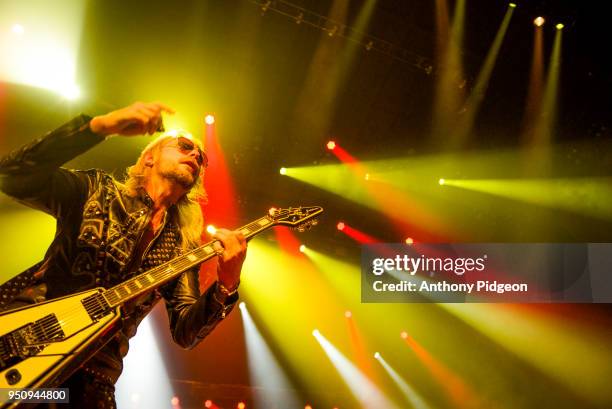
x=98 y=231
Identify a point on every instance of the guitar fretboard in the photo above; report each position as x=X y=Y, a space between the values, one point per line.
x=157 y=276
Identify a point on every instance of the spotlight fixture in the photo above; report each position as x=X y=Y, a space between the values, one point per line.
x=283 y=171
x=377 y=355
x=209 y=119
x=302 y=248
x=409 y=240
x=348 y=314
x=539 y=21
x=441 y=182
x=512 y=5
x=559 y=26
x=340 y=226
x=211 y=229
x=331 y=145
x=404 y=335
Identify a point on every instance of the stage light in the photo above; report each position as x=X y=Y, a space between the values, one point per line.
x=211 y=229
x=264 y=369
x=348 y=314
x=362 y=388
x=302 y=248
x=145 y=373
x=539 y=21
x=513 y=5
x=46 y=56
x=376 y=355
x=441 y=182
x=331 y=145
x=367 y=176
x=340 y=226
x=404 y=335
x=70 y=91
x=209 y=119
x=240 y=405
x=242 y=305
x=307 y=407
x=17 y=29
x=409 y=240
x=316 y=333
x=283 y=171
x=208 y=403
x=559 y=26
x=416 y=400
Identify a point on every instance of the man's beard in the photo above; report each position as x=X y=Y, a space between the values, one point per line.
x=184 y=178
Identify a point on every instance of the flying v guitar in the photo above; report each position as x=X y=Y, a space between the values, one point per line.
x=43 y=344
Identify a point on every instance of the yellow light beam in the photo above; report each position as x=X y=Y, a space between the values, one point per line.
x=450 y=83
x=472 y=105
x=548 y=114
x=587 y=196
x=575 y=354
x=536 y=84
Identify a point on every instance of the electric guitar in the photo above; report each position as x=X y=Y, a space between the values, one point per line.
x=43 y=344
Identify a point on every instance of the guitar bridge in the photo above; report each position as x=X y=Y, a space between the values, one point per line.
x=29 y=340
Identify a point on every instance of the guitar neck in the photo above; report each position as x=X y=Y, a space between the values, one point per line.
x=160 y=275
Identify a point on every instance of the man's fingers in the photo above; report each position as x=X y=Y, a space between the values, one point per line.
x=163 y=107
x=147 y=110
x=154 y=115
x=233 y=241
x=142 y=119
x=218 y=247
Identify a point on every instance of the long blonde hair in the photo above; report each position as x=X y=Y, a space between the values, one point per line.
x=187 y=212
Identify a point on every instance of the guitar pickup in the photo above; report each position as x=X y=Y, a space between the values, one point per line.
x=96 y=306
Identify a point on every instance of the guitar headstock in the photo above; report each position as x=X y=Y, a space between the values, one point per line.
x=300 y=218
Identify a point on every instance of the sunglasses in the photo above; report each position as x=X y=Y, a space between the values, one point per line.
x=186 y=146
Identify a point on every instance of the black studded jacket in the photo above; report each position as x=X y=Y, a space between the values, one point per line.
x=98 y=231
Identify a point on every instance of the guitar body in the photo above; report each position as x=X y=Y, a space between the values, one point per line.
x=43 y=344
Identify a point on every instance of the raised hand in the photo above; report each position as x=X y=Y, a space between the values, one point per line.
x=137 y=119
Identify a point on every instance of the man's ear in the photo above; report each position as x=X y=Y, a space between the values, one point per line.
x=148 y=159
